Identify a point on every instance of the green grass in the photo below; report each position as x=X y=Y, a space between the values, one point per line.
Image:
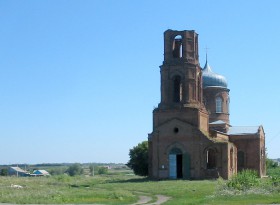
x=124 y=188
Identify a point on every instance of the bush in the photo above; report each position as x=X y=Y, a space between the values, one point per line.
x=102 y=170
x=244 y=180
x=57 y=170
x=75 y=169
x=275 y=180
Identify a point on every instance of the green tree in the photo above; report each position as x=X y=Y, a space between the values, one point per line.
x=139 y=159
x=4 y=172
x=75 y=169
x=270 y=164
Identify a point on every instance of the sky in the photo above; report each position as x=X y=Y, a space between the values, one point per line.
x=79 y=79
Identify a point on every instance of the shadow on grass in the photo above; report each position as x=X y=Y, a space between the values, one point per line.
x=133 y=180
x=79 y=186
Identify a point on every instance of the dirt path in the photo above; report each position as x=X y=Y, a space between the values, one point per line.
x=143 y=200
x=160 y=200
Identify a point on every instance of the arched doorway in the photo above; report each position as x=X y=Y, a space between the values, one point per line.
x=175 y=164
x=179 y=164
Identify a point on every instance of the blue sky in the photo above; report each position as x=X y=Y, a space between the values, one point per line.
x=79 y=79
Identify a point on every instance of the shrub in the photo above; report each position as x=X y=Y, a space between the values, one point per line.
x=244 y=180
x=57 y=170
x=102 y=170
x=275 y=180
x=75 y=169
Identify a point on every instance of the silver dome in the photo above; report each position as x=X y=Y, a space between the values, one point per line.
x=211 y=79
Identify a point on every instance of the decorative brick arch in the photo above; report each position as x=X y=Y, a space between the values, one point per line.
x=210 y=154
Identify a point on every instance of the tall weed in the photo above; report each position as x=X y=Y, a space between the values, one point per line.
x=244 y=180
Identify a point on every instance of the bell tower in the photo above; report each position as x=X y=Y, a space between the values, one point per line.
x=181 y=81
x=180 y=120
x=180 y=72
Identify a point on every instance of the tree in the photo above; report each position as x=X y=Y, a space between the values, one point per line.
x=4 y=172
x=139 y=159
x=75 y=169
x=270 y=164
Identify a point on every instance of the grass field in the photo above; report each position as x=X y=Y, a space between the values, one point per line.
x=124 y=188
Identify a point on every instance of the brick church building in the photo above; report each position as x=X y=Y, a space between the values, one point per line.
x=192 y=137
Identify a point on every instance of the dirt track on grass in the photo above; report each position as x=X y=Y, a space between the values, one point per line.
x=143 y=200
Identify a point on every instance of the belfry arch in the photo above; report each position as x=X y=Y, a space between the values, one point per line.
x=177 y=89
x=177 y=47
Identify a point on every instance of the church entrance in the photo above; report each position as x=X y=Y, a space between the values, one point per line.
x=175 y=164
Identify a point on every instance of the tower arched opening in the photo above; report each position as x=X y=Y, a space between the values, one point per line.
x=177 y=89
x=177 y=49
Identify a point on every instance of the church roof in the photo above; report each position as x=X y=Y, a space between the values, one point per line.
x=218 y=122
x=243 y=130
x=211 y=79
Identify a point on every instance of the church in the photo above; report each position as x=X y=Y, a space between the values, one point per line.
x=192 y=137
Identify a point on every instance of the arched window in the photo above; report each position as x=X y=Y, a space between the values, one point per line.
x=177 y=89
x=219 y=105
x=240 y=160
x=228 y=102
x=231 y=158
x=177 y=47
x=211 y=159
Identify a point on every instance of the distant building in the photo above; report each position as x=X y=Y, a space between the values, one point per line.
x=16 y=171
x=192 y=137
x=40 y=173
